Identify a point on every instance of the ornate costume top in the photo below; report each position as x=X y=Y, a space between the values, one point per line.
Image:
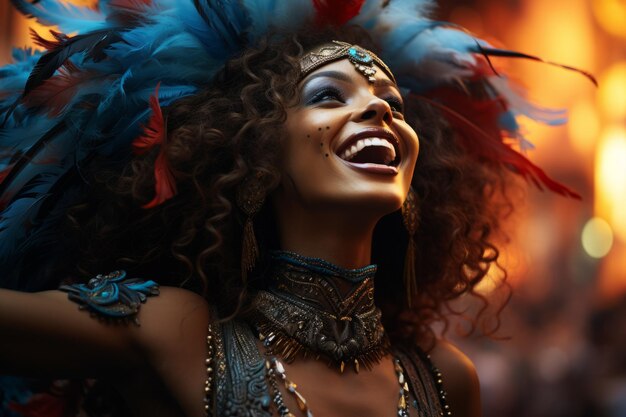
x=240 y=387
x=313 y=308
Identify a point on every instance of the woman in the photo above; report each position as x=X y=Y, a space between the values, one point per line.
x=265 y=192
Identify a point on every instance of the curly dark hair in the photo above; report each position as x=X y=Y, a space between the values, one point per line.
x=231 y=130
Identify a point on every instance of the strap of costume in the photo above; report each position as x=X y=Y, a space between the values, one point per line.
x=239 y=385
x=425 y=380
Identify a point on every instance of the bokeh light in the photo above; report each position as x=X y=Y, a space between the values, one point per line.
x=597 y=237
x=612 y=91
x=611 y=178
x=568 y=39
x=584 y=126
x=611 y=14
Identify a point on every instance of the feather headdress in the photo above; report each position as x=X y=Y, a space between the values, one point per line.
x=92 y=93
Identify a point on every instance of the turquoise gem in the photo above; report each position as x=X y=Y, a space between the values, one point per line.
x=360 y=56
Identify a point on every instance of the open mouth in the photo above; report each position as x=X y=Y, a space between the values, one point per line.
x=371 y=150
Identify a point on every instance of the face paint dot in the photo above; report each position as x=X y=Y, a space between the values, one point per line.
x=327 y=127
x=326 y=155
x=322 y=144
x=308 y=136
x=319 y=128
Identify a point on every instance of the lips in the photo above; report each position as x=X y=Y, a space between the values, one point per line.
x=371 y=147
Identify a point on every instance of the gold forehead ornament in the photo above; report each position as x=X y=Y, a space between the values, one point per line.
x=362 y=59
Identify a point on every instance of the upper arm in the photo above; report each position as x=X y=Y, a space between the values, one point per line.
x=46 y=334
x=173 y=330
x=459 y=378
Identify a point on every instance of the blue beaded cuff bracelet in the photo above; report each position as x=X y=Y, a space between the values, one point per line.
x=112 y=296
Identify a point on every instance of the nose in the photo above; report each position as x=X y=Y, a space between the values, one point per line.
x=376 y=110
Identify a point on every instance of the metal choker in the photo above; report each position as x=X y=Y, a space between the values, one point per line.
x=314 y=308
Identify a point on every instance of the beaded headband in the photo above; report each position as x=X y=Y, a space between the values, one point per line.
x=362 y=59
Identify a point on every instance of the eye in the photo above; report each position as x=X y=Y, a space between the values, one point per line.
x=395 y=105
x=326 y=94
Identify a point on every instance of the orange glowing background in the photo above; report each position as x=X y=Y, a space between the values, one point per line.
x=588 y=153
x=567 y=259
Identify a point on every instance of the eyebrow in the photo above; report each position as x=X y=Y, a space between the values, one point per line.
x=342 y=76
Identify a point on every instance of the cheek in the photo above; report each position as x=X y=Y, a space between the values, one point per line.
x=411 y=139
x=314 y=132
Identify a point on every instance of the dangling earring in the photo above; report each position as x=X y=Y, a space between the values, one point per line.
x=250 y=198
x=410 y=220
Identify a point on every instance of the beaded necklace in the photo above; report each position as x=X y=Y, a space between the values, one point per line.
x=276 y=375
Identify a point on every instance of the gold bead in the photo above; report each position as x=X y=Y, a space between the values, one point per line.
x=301 y=401
x=402 y=402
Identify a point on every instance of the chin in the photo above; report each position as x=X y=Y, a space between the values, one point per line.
x=377 y=201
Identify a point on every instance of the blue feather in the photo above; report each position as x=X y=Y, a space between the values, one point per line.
x=19 y=139
x=54 y=147
x=222 y=33
x=37 y=248
x=16 y=219
x=13 y=76
x=69 y=18
x=267 y=15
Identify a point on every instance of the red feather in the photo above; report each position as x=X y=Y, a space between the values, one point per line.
x=337 y=12
x=42 y=405
x=128 y=12
x=56 y=93
x=476 y=121
x=4 y=173
x=48 y=44
x=136 y=6
x=165 y=184
x=154 y=133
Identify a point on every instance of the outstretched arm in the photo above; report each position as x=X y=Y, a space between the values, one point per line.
x=46 y=334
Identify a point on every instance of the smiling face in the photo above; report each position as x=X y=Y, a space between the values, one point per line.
x=347 y=143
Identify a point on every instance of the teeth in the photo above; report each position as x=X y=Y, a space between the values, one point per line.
x=349 y=153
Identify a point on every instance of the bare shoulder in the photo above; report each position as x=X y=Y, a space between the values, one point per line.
x=172 y=338
x=459 y=378
x=176 y=313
